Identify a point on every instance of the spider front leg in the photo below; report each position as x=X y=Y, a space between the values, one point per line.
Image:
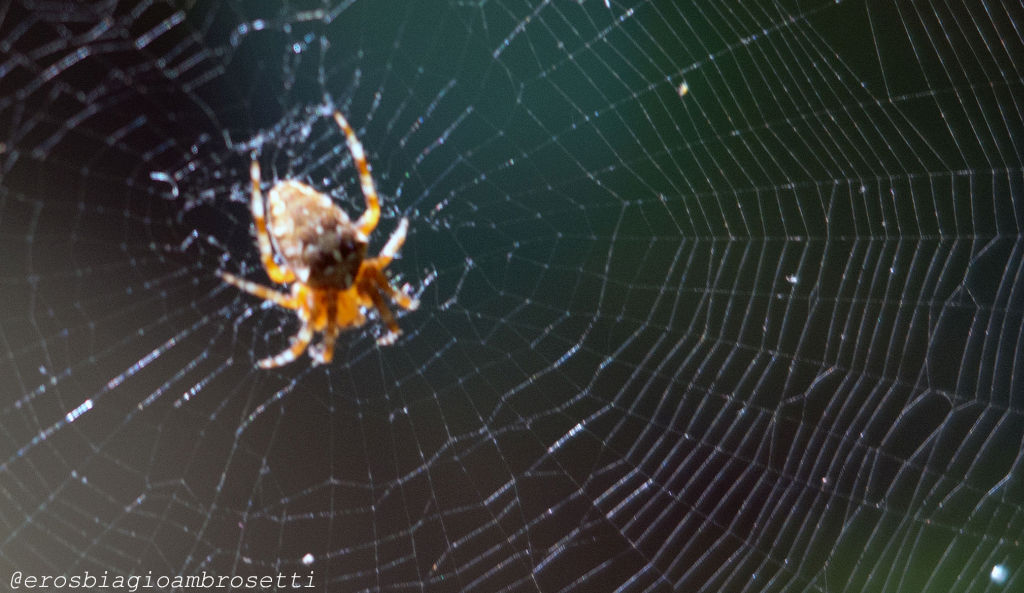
x=368 y=221
x=259 y=216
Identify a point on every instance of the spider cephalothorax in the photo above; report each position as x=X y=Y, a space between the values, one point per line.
x=324 y=259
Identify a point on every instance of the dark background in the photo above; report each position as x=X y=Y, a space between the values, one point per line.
x=763 y=335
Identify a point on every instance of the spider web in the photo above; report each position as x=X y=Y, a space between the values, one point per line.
x=717 y=296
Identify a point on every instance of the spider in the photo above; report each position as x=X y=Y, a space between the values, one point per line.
x=324 y=259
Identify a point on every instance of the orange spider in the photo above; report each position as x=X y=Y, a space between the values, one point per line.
x=324 y=257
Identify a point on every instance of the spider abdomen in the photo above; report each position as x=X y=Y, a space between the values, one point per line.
x=315 y=236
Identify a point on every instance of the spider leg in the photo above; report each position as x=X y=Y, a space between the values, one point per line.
x=374 y=284
x=268 y=294
x=380 y=262
x=394 y=243
x=384 y=285
x=259 y=216
x=299 y=344
x=387 y=317
x=324 y=352
x=368 y=221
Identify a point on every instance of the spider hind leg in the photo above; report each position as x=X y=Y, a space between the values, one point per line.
x=299 y=344
x=323 y=353
x=258 y=290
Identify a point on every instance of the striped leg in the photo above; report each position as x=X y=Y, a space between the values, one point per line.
x=368 y=221
x=268 y=294
x=394 y=243
x=259 y=217
x=381 y=261
x=299 y=344
x=388 y=318
x=403 y=300
x=323 y=353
